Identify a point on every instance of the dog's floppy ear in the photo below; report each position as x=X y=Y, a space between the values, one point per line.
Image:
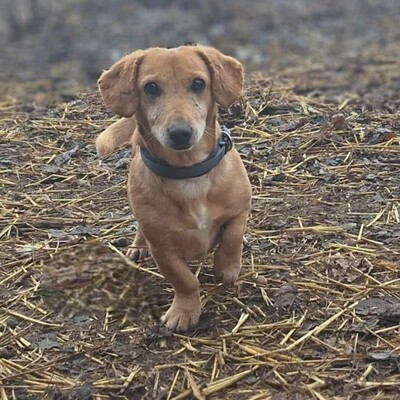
x=226 y=74
x=118 y=85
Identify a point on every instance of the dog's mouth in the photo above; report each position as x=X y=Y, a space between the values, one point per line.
x=183 y=147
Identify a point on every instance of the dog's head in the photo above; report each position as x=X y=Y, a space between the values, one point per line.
x=172 y=92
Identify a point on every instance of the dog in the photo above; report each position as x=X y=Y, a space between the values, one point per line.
x=187 y=188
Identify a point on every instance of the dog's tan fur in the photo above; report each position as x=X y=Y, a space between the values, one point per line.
x=180 y=220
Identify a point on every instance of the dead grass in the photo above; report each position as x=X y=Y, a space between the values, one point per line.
x=315 y=314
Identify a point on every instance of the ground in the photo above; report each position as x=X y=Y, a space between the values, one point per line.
x=316 y=311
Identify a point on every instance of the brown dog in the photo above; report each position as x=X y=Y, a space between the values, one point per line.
x=168 y=98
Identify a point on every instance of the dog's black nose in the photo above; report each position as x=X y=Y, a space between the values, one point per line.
x=180 y=136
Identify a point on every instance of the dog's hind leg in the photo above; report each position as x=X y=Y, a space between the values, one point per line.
x=139 y=250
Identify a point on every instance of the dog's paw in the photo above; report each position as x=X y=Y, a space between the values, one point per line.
x=226 y=275
x=180 y=318
x=138 y=254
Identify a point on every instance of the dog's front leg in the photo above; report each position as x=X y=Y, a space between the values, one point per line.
x=185 y=310
x=228 y=256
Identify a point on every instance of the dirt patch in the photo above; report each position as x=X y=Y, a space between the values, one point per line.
x=72 y=41
x=315 y=312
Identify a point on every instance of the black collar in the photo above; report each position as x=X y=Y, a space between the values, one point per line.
x=165 y=170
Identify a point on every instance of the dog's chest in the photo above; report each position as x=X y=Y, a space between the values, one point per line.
x=200 y=232
x=199 y=224
x=200 y=220
x=192 y=190
x=194 y=204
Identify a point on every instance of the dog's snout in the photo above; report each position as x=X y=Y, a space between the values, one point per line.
x=180 y=136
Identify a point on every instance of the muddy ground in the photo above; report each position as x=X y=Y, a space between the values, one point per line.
x=316 y=312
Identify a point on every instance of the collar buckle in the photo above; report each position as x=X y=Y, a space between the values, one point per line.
x=226 y=139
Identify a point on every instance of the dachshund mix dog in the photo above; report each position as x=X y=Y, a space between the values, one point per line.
x=187 y=188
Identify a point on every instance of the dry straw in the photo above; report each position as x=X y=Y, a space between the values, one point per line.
x=315 y=314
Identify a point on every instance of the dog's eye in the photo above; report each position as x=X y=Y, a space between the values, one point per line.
x=152 y=89
x=198 y=85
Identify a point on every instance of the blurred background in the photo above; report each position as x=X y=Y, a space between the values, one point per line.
x=65 y=44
